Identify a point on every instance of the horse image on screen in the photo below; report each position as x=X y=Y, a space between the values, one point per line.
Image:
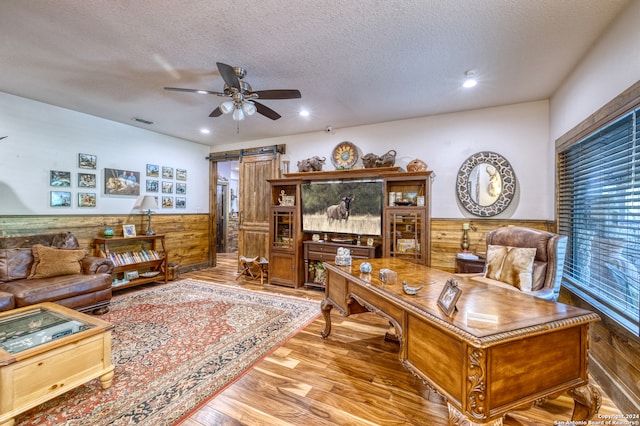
x=349 y=207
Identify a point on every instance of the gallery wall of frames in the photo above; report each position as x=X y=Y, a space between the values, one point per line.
x=84 y=186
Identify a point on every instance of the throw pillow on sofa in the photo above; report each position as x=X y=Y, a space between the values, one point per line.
x=52 y=262
x=15 y=264
x=511 y=265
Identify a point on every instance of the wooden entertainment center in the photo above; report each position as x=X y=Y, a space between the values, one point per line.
x=405 y=216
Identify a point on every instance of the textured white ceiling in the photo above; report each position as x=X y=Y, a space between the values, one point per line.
x=356 y=62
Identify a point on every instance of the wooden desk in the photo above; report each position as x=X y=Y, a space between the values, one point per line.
x=537 y=349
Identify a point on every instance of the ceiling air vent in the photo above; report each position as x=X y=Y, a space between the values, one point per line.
x=142 y=120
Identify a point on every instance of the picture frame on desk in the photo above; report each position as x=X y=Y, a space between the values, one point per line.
x=449 y=297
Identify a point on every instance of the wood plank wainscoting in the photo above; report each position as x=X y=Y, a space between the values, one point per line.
x=446 y=237
x=186 y=235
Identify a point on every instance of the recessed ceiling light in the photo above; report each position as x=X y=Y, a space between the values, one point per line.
x=470 y=80
x=205 y=131
x=304 y=113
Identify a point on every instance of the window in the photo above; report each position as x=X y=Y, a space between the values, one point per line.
x=599 y=209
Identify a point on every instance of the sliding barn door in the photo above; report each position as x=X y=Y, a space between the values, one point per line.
x=255 y=203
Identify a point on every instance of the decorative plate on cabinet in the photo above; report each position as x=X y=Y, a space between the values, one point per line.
x=344 y=155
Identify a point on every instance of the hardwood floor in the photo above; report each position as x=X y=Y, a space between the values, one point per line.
x=352 y=378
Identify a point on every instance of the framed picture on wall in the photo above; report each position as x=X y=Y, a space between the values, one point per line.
x=59 y=179
x=181 y=174
x=86 y=180
x=167 y=187
x=87 y=161
x=121 y=182
x=167 y=202
x=60 y=199
x=181 y=202
x=152 y=186
x=167 y=172
x=86 y=199
x=153 y=170
x=181 y=188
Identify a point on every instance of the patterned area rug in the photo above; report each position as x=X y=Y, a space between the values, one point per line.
x=174 y=346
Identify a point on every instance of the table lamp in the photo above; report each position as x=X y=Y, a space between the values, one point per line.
x=149 y=203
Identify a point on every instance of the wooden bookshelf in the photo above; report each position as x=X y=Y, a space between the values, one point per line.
x=140 y=255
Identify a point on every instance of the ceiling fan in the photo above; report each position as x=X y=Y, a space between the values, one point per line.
x=242 y=100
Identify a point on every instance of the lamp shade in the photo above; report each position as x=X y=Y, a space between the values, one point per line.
x=226 y=107
x=238 y=115
x=149 y=203
x=249 y=108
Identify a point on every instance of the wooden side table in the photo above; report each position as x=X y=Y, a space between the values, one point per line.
x=469 y=266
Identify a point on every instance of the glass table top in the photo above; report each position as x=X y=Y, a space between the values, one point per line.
x=36 y=327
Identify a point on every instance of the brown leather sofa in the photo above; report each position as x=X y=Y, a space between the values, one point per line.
x=89 y=290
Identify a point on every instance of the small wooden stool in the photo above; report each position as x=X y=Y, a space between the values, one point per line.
x=247 y=263
x=263 y=265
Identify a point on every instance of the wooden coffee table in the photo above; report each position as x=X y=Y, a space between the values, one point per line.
x=47 y=350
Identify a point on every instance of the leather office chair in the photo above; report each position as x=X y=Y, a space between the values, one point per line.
x=548 y=263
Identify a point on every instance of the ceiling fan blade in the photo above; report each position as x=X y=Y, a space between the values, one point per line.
x=278 y=94
x=228 y=75
x=209 y=92
x=266 y=111
x=216 y=113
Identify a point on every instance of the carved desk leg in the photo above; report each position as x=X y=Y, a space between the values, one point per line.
x=456 y=418
x=587 y=401
x=326 y=307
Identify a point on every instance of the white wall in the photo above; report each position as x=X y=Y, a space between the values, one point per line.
x=610 y=67
x=44 y=138
x=520 y=133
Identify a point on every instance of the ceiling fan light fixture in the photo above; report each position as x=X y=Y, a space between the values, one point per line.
x=238 y=115
x=226 y=107
x=248 y=108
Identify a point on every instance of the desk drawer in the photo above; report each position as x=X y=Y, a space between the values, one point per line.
x=329 y=253
x=315 y=255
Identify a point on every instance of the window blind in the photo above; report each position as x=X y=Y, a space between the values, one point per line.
x=599 y=210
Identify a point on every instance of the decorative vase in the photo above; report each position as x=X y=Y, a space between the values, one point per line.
x=365 y=267
x=417 y=165
x=108 y=233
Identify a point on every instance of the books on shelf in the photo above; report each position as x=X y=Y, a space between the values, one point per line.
x=131 y=257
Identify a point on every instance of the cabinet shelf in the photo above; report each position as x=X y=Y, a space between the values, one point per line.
x=133 y=254
x=318 y=252
x=407 y=228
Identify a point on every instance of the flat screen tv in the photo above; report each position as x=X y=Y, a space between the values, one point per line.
x=345 y=207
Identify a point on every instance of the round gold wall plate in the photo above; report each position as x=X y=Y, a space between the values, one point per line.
x=344 y=155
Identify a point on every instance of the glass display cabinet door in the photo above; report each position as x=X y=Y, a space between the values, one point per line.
x=406 y=236
x=283 y=229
